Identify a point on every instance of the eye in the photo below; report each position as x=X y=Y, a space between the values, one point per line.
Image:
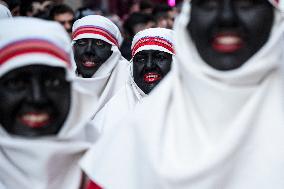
x=100 y=43
x=81 y=43
x=16 y=84
x=139 y=58
x=161 y=57
x=52 y=82
x=244 y=4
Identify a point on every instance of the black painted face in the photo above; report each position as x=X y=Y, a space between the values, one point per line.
x=228 y=32
x=150 y=67
x=90 y=54
x=35 y=100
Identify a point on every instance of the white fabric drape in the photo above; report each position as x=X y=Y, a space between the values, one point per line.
x=203 y=128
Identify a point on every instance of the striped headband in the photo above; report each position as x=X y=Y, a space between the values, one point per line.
x=157 y=41
x=95 y=30
x=32 y=46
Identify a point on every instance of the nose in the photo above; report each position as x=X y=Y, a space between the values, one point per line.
x=37 y=94
x=89 y=47
x=227 y=16
x=149 y=62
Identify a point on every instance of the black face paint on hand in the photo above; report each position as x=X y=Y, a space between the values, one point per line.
x=90 y=54
x=35 y=100
x=228 y=32
x=150 y=67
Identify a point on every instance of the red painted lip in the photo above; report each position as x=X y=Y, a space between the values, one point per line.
x=227 y=42
x=35 y=119
x=89 y=64
x=151 y=77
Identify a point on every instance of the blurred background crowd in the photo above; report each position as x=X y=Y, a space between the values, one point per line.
x=131 y=16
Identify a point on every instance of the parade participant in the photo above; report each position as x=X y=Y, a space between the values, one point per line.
x=64 y=15
x=43 y=123
x=152 y=53
x=4 y=12
x=216 y=121
x=100 y=68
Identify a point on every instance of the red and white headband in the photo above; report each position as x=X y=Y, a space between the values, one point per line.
x=30 y=47
x=96 y=27
x=43 y=42
x=153 y=39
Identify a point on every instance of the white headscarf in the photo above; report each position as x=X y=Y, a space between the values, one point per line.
x=128 y=96
x=4 y=12
x=203 y=128
x=112 y=74
x=46 y=162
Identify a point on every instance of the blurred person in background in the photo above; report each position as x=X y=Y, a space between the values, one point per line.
x=164 y=15
x=36 y=8
x=133 y=24
x=64 y=15
x=146 y=6
x=86 y=11
x=90 y=7
x=14 y=6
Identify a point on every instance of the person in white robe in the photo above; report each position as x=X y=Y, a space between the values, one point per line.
x=100 y=68
x=153 y=40
x=208 y=125
x=44 y=127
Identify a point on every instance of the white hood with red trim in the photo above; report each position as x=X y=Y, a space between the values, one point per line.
x=49 y=162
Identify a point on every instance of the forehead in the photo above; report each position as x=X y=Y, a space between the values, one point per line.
x=152 y=52
x=93 y=40
x=29 y=70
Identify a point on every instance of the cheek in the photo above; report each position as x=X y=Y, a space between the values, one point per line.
x=257 y=20
x=137 y=69
x=103 y=54
x=61 y=102
x=10 y=103
x=201 y=25
x=78 y=51
x=254 y=22
x=60 y=97
x=165 y=66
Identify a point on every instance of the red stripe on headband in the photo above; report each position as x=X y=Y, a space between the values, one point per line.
x=32 y=46
x=95 y=30
x=153 y=41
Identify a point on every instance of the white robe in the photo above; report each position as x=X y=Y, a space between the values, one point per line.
x=202 y=128
x=47 y=162
x=119 y=106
